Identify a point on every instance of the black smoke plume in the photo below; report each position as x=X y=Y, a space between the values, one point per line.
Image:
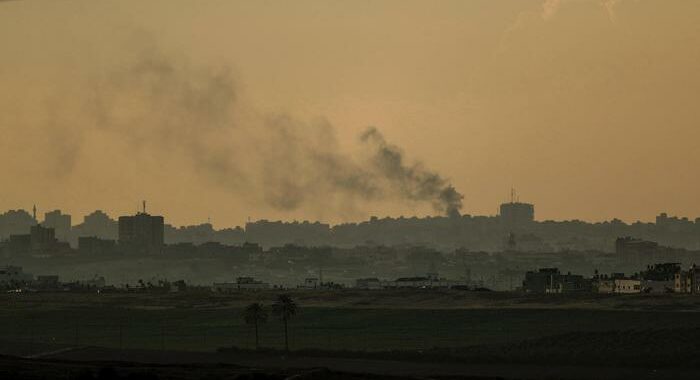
x=414 y=181
x=176 y=112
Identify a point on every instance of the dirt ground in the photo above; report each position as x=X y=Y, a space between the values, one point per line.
x=400 y=369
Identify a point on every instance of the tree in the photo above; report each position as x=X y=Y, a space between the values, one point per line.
x=255 y=314
x=285 y=308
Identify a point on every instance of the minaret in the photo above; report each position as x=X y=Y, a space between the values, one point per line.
x=144 y=207
x=34 y=212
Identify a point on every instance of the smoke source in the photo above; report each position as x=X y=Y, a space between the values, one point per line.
x=414 y=182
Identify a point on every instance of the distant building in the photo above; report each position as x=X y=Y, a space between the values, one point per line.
x=410 y=282
x=550 y=280
x=617 y=283
x=430 y=281
x=636 y=251
x=47 y=282
x=92 y=245
x=41 y=238
x=61 y=223
x=15 y=222
x=99 y=224
x=542 y=281
x=672 y=223
x=573 y=283
x=688 y=281
x=660 y=278
x=98 y=282
x=13 y=276
x=141 y=233
x=628 y=285
x=310 y=283
x=605 y=284
x=269 y=233
x=368 y=283
x=516 y=216
x=203 y=233
x=242 y=283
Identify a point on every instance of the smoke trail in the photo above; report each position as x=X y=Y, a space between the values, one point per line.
x=168 y=107
x=164 y=106
x=415 y=181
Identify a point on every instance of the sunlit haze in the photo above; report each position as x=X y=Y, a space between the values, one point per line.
x=235 y=109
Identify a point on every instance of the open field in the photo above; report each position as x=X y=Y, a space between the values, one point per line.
x=25 y=369
x=428 y=299
x=455 y=334
x=346 y=320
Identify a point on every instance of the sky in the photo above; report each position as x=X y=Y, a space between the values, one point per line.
x=229 y=110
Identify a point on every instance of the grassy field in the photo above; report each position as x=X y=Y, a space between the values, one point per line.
x=362 y=321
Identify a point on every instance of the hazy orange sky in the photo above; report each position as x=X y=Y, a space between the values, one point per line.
x=588 y=108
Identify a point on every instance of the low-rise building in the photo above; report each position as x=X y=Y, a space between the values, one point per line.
x=92 y=245
x=687 y=281
x=97 y=282
x=372 y=283
x=660 y=278
x=541 y=281
x=692 y=282
x=242 y=283
x=409 y=282
x=573 y=283
x=628 y=285
x=47 y=282
x=550 y=280
x=432 y=280
x=605 y=285
x=310 y=283
x=14 y=276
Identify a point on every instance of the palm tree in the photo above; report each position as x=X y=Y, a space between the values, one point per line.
x=285 y=308
x=255 y=314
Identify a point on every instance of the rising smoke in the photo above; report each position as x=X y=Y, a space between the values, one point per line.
x=169 y=109
x=414 y=182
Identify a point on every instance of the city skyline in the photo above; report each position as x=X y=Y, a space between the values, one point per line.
x=77 y=218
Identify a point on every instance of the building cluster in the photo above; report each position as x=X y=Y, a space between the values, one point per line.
x=494 y=251
x=514 y=228
x=15 y=279
x=137 y=234
x=39 y=241
x=241 y=283
x=657 y=278
x=250 y=283
x=429 y=281
x=153 y=286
